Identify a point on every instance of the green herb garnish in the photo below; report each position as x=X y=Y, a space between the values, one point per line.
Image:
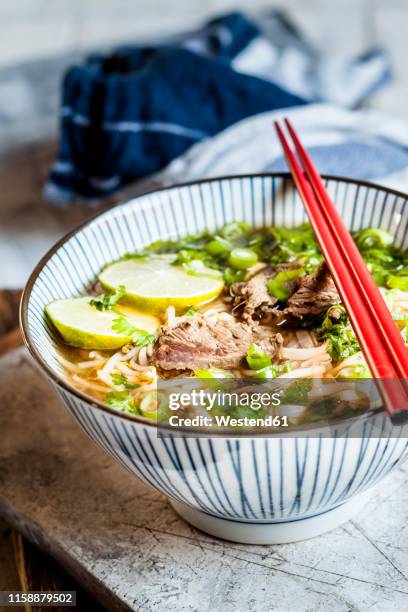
x=190 y=312
x=121 y=400
x=337 y=331
x=297 y=392
x=139 y=337
x=106 y=301
x=121 y=379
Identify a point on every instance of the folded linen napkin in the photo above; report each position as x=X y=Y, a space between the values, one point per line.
x=127 y=115
x=364 y=144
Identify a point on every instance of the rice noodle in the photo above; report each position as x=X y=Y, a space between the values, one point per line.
x=150 y=387
x=349 y=395
x=217 y=312
x=292 y=411
x=288 y=337
x=314 y=371
x=96 y=355
x=253 y=270
x=106 y=378
x=111 y=363
x=94 y=363
x=122 y=368
x=304 y=338
x=142 y=356
x=301 y=354
x=88 y=384
x=322 y=358
x=132 y=353
x=320 y=389
x=170 y=316
x=293 y=342
x=356 y=359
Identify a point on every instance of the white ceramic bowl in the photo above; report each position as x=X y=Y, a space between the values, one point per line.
x=248 y=489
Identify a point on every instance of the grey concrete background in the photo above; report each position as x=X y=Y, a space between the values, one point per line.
x=34 y=29
x=40 y=38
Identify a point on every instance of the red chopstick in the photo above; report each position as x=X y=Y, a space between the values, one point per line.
x=383 y=362
x=372 y=295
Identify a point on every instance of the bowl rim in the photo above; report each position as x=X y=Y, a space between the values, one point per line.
x=59 y=381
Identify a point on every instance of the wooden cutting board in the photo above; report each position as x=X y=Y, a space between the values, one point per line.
x=126 y=546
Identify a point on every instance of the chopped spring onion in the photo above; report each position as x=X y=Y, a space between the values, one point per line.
x=398 y=282
x=233 y=276
x=213 y=373
x=235 y=229
x=242 y=259
x=153 y=405
x=197 y=267
x=272 y=371
x=257 y=358
x=218 y=247
x=278 y=286
x=373 y=237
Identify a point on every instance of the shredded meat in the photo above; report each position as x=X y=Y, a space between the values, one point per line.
x=196 y=343
x=252 y=300
x=315 y=294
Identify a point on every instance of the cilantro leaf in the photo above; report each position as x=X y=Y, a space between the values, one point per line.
x=139 y=337
x=106 y=301
x=338 y=333
x=297 y=392
x=120 y=379
x=190 y=312
x=121 y=400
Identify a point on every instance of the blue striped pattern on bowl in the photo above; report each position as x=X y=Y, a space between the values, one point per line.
x=238 y=479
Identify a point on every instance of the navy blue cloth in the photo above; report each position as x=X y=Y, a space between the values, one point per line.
x=128 y=114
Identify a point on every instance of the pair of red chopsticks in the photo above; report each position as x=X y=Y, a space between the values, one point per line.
x=376 y=331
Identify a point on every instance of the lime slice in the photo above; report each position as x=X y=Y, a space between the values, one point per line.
x=83 y=326
x=154 y=284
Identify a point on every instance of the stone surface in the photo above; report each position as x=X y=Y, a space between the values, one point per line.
x=126 y=545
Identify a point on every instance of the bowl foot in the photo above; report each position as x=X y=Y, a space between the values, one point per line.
x=267 y=532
